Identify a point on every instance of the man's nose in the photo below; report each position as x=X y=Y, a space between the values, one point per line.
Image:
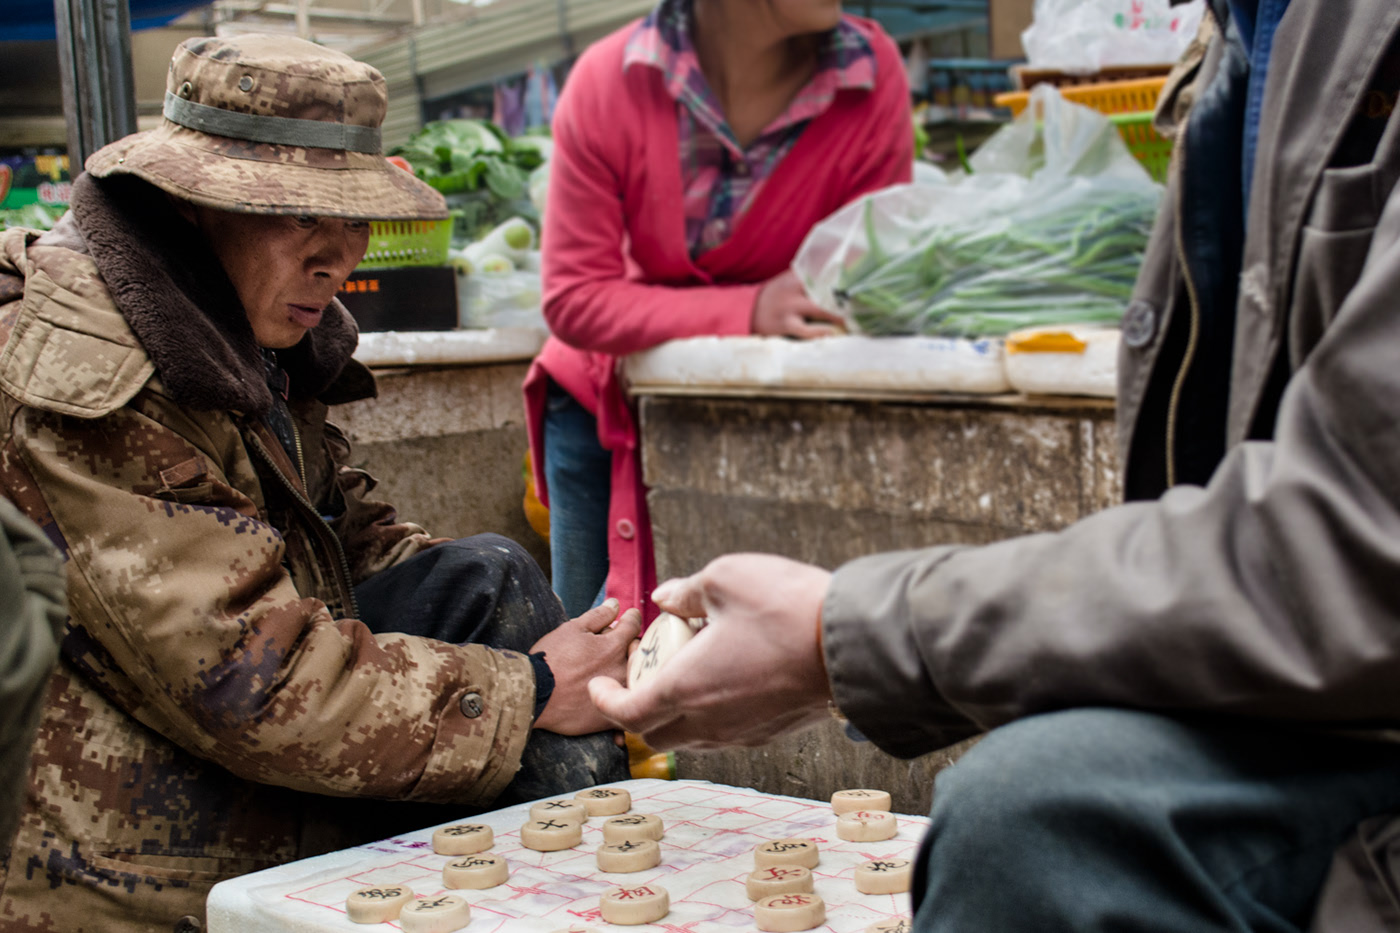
x=336 y=250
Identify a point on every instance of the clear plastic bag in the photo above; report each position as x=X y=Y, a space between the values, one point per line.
x=1048 y=228
x=1085 y=36
x=500 y=299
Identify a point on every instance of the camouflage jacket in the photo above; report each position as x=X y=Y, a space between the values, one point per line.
x=213 y=683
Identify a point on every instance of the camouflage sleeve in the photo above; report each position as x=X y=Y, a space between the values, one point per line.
x=369 y=529
x=183 y=614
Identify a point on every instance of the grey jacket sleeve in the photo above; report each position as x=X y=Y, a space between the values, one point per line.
x=32 y=614
x=1273 y=592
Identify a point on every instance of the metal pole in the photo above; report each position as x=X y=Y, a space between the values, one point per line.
x=561 y=9
x=94 y=57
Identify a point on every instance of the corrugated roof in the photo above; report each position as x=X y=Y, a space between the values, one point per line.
x=496 y=41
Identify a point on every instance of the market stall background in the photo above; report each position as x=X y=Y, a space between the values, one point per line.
x=773 y=446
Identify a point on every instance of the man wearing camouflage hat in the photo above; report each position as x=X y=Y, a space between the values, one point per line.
x=254 y=642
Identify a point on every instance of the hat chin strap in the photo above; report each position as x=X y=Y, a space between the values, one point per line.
x=281 y=131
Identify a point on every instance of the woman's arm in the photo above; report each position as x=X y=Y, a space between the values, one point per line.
x=589 y=302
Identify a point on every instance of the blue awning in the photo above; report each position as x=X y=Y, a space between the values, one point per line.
x=905 y=18
x=33 y=20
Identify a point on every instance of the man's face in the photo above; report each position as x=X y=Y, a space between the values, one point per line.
x=285 y=269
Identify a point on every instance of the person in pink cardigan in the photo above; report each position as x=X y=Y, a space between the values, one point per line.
x=694 y=150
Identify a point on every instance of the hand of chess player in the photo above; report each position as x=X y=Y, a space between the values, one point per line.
x=579 y=651
x=754 y=672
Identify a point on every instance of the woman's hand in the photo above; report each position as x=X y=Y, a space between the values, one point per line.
x=783 y=309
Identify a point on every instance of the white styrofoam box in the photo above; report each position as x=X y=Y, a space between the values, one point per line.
x=1063 y=360
x=437 y=348
x=854 y=363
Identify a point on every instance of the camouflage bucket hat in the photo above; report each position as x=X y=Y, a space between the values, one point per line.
x=264 y=124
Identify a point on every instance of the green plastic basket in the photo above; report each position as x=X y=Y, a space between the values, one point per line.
x=407 y=243
x=1153 y=151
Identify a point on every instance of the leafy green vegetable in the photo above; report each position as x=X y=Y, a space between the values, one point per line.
x=484 y=174
x=995 y=275
x=36 y=216
x=468 y=136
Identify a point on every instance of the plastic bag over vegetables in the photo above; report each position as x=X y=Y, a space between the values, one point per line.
x=1048 y=228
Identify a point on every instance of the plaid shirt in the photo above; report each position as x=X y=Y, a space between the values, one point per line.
x=720 y=179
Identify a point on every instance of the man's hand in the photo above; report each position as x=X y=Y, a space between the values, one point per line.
x=577 y=651
x=754 y=672
x=783 y=308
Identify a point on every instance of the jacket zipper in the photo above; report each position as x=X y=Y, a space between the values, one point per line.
x=301 y=458
x=1194 y=302
x=347 y=591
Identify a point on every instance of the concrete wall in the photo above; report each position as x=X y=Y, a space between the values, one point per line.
x=446 y=446
x=827 y=481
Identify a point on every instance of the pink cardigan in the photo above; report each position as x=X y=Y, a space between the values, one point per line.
x=618 y=277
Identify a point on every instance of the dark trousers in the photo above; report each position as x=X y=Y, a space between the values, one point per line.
x=488 y=590
x=1114 y=821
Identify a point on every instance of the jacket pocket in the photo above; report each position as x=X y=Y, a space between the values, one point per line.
x=1332 y=250
x=190 y=483
x=187 y=481
x=208 y=870
x=1348 y=199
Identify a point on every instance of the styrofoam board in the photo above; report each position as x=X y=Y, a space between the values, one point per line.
x=876 y=364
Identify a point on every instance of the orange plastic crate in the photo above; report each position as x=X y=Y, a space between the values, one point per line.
x=1026 y=77
x=1105 y=97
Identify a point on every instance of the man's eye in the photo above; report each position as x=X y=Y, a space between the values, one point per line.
x=357 y=225
x=306 y=220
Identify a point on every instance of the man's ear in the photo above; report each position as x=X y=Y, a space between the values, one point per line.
x=185 y=209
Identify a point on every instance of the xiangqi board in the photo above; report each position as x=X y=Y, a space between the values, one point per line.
x=707 y=855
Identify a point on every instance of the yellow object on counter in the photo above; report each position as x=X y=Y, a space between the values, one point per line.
x=1046 y=341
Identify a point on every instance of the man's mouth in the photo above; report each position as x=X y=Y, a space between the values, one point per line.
x=307 y=316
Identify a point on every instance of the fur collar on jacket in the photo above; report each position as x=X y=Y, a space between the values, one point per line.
x=176 y=298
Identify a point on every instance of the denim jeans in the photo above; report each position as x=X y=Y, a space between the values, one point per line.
x=579 y=474
x=1111 y=821
x=488 y=590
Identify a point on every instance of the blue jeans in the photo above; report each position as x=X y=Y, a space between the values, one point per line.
x=1110 y=821
x=488 y=590
x=578 y=471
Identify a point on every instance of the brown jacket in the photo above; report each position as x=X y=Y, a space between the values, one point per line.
x=213 y=682
x=1263 y=583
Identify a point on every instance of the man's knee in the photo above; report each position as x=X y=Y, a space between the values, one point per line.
x=490 y=548
x=1045 y=769
x=491 y=560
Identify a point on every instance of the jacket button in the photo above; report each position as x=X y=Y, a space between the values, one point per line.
x=471 y=705
x=1139 y=324
x=188 y=925
x=625 y=529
